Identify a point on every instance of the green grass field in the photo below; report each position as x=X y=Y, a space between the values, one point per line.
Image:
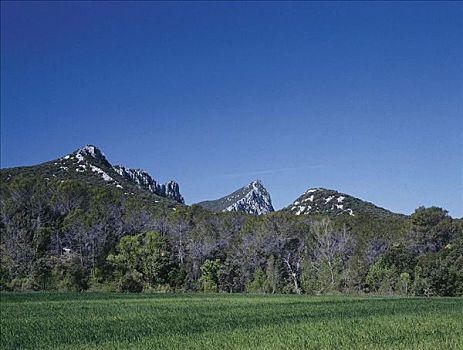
x=195 y=321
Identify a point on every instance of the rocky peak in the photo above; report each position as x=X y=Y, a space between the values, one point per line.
x=90 y=150
x=251 y=199
x=256 y=201
x=171 y=190
x=89 y=160
x=91 y=154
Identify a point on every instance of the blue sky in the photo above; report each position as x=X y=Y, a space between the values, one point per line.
x=365 y=98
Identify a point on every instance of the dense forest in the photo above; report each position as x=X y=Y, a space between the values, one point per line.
x=68 y=235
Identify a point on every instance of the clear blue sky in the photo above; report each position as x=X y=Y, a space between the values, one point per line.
x=365 y=98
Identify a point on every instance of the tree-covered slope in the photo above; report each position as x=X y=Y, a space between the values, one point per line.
x=331 y=202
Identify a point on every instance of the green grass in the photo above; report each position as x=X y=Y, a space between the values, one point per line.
x=195 y=321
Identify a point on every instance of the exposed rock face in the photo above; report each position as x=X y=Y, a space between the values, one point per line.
x=172 y=190
x=137 y=176
x=250 y=199
x=90 y=151
x=144 y=180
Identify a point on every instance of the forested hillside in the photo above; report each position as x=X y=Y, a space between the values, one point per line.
x=76 y=233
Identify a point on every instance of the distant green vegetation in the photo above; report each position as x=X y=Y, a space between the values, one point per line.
x=220 y=321
x=74 y=235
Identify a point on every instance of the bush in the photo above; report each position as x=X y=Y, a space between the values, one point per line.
x=259 y=282
x=210 y=275
x=23 y=284
x=131 y=282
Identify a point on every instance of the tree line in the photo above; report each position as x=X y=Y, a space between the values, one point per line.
x=72 y=236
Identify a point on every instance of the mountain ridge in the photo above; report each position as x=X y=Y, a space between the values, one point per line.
x=89 y=164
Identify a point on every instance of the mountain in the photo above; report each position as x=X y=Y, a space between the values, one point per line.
x=250 y=199
x=331 y=202
x=89 y=164
x=69 y=224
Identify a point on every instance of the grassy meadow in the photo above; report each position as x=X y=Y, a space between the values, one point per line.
x=197 y=321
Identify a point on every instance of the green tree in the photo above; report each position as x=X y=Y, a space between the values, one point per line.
x=258 y=283
x=68 y=273
x=402 y=257
x=420 y=283
x=156 y=259
x=230 y=275
x=272 y=273
x=42 y=273
x=142 y=259
x=381 y=277
x=309 y=281
x=404 y=282
x=426 y=218
x=210 y=275
x=431 y=229
x=128 y=256
x=441 y=273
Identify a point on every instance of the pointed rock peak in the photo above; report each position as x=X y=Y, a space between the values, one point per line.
x=87 y=153
x=90 y=153
x=256 y=186
x=256 y=183
x=251 y=199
